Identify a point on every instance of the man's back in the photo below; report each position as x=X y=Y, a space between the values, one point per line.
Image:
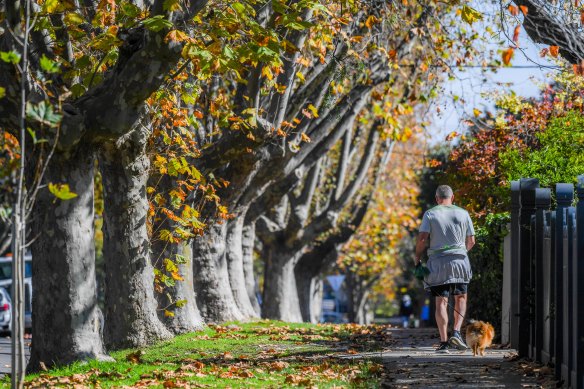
x=448 y=226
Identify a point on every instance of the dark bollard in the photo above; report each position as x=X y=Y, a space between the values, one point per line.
x=548 y=271
x=568 y=312
x=577 y=378
x=527 y=196
x=540 y=270
x=515 y=282
x=564 y=198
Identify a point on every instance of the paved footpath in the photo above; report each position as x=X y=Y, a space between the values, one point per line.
x=410 y=362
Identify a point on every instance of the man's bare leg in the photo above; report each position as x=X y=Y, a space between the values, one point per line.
x=460 y=305
x=442 y=317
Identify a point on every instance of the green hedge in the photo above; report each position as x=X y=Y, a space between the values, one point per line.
x=486 y=258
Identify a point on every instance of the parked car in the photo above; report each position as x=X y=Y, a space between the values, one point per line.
x=6 y=284
x=5 y=311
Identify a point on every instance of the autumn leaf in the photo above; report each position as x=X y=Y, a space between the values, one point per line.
x=371 y=20
x=278 y=366
x=513 y=10
x=470 y=15
x=554 y=51
x=135 y=357
x=313 y=109
x=176 y=36
x=516 y=34
x=227 y=355
x=476 y=112
x=61 y=191
x=507 y=55
x=523 y=9
x=305 y=138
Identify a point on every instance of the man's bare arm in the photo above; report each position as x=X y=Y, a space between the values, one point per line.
x=421 y=244
x=470 y=242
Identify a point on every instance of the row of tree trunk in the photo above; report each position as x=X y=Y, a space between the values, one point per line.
x=293 y=199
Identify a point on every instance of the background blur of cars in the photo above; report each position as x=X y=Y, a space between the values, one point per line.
x=5 y=290
x=5 y=311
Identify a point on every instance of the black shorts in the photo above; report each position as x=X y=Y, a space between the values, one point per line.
x=447 y=289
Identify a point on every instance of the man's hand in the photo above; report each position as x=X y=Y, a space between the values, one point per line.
x=470 y=242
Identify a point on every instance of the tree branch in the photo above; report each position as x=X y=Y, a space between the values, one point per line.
x=543 y=27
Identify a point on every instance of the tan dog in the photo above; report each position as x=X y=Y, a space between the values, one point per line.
x=479 y=335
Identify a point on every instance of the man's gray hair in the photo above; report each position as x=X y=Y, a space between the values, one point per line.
x=444 y=192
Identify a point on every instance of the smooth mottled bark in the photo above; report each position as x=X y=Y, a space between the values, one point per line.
x=280 y=295
x=130 y=307
x=66 y=318
x=211 y=278
x=309 y=287
x=234 y=257
x=186 y=318
x=248 y=241
x=357 y=293
x=308 y=272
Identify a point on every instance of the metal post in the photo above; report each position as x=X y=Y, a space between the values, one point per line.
x=515 y=255
x=549 y=291
x=543 y=200
x=578 y=290
x=546 y=271
x=564 y=198
x=531 y=293
x=527 y=196
x=568 y=313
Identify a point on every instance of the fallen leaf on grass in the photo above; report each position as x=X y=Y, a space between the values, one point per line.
x=135 y=357
x=197 y=365
x=298 y=380
x=376 y=368
x=227 y=355
x=278 y=366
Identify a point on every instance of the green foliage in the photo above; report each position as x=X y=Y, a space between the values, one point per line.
x=157 y=23
x=43 y=113
x=10 y=57
x=49 y=65
x=559 y=157
x=486 y=258
x=470 y=15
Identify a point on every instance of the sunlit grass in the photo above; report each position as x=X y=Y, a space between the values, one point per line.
x=257 y=354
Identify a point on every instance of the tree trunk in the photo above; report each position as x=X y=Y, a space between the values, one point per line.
x=309 y=287
x=66 y=318
x=234 y=255
x=280 y=295
x=211 y=278
x=250 y=281
x=357 y=297
x=186 y=318
x=130 y=307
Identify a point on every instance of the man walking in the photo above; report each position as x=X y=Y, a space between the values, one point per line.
x=448 y=234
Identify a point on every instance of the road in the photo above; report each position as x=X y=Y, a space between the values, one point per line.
x=5 y=353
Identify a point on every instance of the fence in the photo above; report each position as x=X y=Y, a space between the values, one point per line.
x=544 y=276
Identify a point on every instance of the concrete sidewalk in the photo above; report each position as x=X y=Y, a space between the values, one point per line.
x=410 y=362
